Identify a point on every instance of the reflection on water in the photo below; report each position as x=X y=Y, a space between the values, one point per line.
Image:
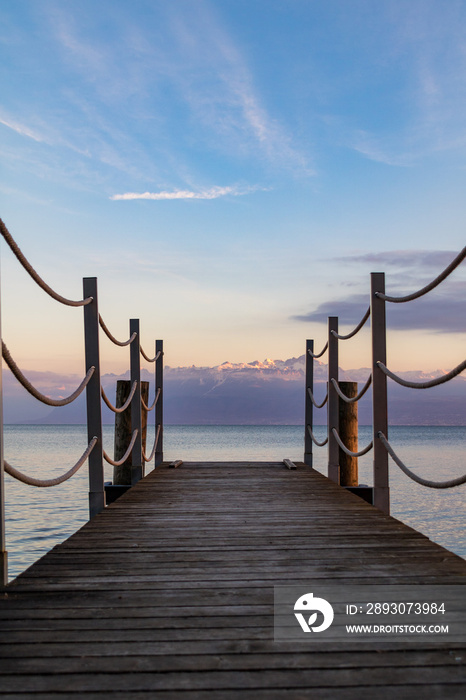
x=39 y=518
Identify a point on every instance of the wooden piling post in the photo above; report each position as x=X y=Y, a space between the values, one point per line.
x=123 y=431
x=348 y=431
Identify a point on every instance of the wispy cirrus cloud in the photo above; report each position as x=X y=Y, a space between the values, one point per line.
x=379 y=149
x=216 y=83
x=212 y=193
x=167 y=96
x=212 y=87
x=21 y=129
x=425 y=52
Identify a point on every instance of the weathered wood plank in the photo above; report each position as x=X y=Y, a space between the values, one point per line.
x=169 y=592
x=188 y=648
x=251 y=679
x=227 y=661
x=405 y=692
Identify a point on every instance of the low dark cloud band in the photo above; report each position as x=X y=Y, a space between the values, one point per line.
x=446 y=314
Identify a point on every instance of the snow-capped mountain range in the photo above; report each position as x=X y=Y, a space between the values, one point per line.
x=291 y=369
x=258 y=392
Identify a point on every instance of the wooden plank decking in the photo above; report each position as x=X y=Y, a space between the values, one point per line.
x=169 y=594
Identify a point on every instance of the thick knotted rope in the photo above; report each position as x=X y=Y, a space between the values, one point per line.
x=311 y=396
x=111 y=337
x=316 y=442
x=148 y=459
x=346 y=450
x=32 y=481
x=443 y=275
x=35 y=276
x=125 y=405
x=355 y=399
x=319 y=354
x=356 y=330
x=154 y=403
x=423 y=385
x=150 y=359
x=37 y=394
x=127 y=453
x=424 y=482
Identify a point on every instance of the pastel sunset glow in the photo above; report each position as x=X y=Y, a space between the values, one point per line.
x=232 y=172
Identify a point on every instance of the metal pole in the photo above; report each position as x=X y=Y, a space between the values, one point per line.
x=159 y=405
x=93 y=398
x=379 y=393
x=333 y=401
x=308 y=412
x=137 y=465
x=3 y=552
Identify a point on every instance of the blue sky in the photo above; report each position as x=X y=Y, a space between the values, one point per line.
x=232 y=172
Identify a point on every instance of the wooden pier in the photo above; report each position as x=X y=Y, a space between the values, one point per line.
x=168 y=593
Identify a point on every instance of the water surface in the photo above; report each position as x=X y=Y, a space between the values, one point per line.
x=39 y=518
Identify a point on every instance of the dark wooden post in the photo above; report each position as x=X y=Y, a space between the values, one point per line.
x=159 y=405
x=3 y=552
x=348 y=431
x=333 y=401
x=93 y=398
x=379 y=393
x=308 y=407
x=137 y=468
x=123 y=431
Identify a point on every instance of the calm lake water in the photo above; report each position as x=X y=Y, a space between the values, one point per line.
x=39 y=518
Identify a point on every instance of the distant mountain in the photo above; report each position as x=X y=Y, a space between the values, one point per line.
x=270 y=392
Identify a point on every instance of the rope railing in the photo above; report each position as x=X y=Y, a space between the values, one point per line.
x=314 y=403
x=443 y=275
x=32 y=481
x=342 y=420
x=154 y=403
x=150 y=359
x=35 y=392
x=418 y=479
x=356 y=330
x=121 y=343
x=314 y=440
x=367 y=449
x=319 y=354
x=125 y=405
x=148 y=459
x=35 y=276
x=355 y=399
x=100 y=492
x=127 y=453
x=423 y=385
